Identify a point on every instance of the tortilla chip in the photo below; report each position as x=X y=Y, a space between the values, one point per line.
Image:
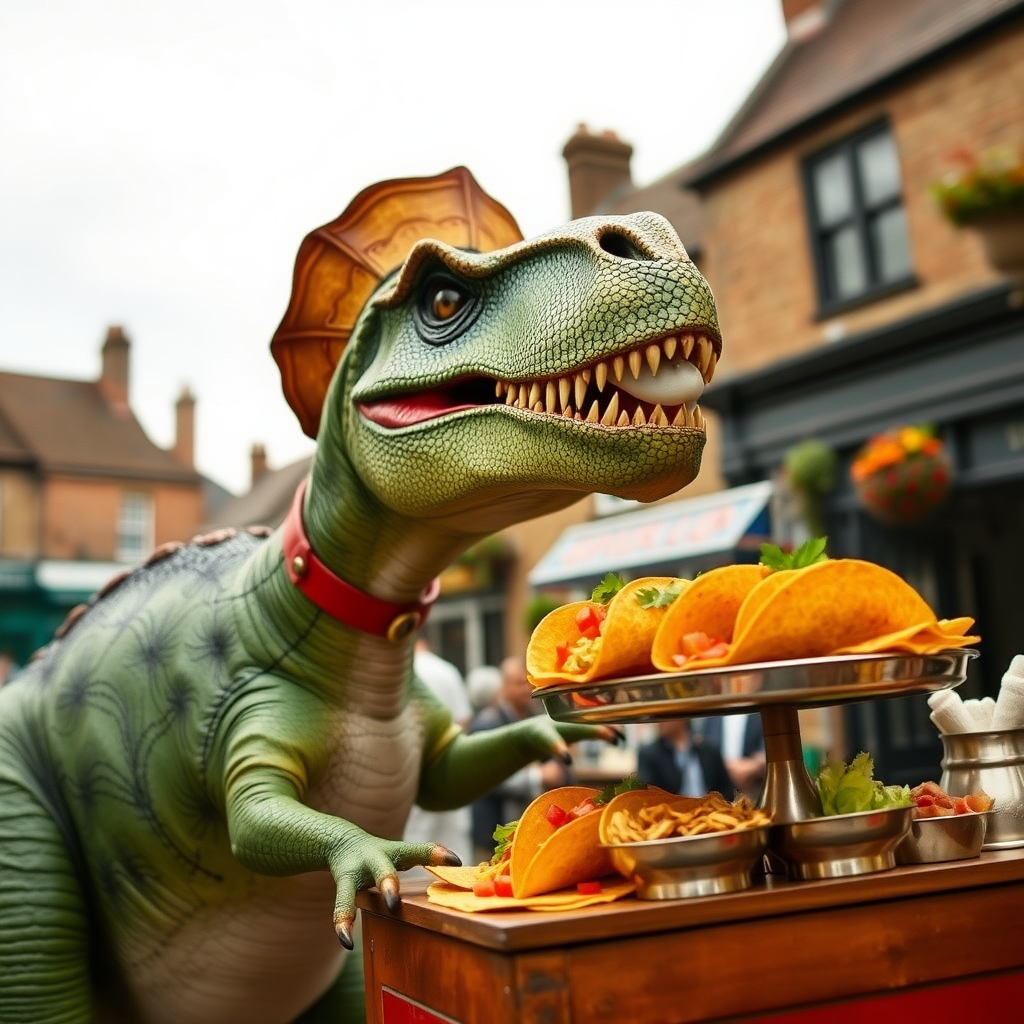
x=627 y=636
x=455 y=898
x=708 y=605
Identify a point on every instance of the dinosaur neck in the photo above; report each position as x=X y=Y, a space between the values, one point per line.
x=337 y=597
x=391 y=556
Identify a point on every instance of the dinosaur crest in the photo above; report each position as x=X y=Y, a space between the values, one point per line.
x=340 y=264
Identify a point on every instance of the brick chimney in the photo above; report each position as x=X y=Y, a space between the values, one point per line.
x=185 y=429
x=598 y=165
x=113 y=382
x=258 y=462
x=805 y=18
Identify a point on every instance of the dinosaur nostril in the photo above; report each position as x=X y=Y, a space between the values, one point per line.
x=622 y=246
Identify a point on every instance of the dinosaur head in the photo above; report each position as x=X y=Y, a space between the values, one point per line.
x=496 y=378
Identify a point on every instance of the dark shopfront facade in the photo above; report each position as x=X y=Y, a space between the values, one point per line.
x=959 y=368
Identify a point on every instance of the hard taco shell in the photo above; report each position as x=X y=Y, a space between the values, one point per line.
x=708 y=605
x=820 y=610
x=627 y=636
x=545 y=859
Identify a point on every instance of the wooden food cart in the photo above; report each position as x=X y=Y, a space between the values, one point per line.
x=932 y=943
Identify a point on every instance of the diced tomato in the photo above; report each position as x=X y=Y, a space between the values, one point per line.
x=960 y=805
x=583 y=807
x=503 y=885
x=588 y=888
x=693 y=644
x=561 y=655
x=556 y=816
x=483 y=887
x=589 y=619
x=700 y=645
x=925 y=800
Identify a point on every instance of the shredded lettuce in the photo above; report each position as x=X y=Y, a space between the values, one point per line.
x=849 y=789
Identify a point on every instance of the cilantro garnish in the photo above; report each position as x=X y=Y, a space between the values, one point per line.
x=607 y=588
x=659 y=597
x=614 y=789
x=809 y=553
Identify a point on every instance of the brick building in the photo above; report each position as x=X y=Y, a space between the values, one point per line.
x=83 y=491
x=850 y=306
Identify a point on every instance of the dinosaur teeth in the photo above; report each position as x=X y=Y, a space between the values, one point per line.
x=665 y=379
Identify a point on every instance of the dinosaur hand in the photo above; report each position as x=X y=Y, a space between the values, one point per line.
x=560 y=735
x=372 y=861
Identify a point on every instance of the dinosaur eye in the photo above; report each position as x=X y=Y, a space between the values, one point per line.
x=446 y=302
x=445 y=309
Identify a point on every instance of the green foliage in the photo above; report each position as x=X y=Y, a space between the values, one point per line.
x=981 y=185
x=537 y=607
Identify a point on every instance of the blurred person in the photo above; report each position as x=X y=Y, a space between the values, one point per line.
x=512 y=703
x=482 y=684
x=449 y=828
x=8 y=667
x=741 y=741
x=681 y=762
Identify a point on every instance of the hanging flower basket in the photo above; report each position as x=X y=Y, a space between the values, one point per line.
x=985 y=193
x=902 y=476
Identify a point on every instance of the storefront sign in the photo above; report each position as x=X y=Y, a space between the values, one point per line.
x=664 y=533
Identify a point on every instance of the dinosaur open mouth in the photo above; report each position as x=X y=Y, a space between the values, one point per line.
x=655 y=384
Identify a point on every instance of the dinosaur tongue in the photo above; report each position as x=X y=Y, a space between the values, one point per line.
x=409 y=409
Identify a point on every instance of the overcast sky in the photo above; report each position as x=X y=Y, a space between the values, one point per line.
x=162 y=159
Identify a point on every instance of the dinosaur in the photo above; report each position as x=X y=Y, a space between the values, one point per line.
x=217 y=752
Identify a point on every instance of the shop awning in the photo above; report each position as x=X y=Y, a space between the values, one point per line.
x=665 y=536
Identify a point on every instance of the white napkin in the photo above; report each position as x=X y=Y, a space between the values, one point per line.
x=980 y=711
x=1009 y=709
x=948 y=712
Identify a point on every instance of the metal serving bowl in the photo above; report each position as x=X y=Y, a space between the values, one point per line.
x=685 y=866
x=949 y=837
x=841 y=845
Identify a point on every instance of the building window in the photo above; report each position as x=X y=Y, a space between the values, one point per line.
x=135 y=528
x=858 y=224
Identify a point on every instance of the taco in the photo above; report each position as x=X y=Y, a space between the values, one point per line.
x=838 y=606
x=553 y=846
x=706 y=610
x=601 y=638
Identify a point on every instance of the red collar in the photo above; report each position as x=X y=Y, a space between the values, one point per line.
x=339 y=599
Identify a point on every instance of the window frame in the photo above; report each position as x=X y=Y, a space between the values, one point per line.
x=862 y=215
x=143 y=531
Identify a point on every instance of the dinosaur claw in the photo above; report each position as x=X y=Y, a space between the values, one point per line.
x=442 y=855
x=389 y=890
x=343 y=929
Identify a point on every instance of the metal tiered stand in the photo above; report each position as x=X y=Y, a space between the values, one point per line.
x=778 y=690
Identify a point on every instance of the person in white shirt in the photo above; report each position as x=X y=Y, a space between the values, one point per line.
x=449 y=828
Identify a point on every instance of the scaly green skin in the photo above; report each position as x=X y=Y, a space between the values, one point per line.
x=205 y=763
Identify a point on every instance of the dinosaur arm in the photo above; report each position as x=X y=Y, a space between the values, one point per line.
x=472 y=765
x=273 y=832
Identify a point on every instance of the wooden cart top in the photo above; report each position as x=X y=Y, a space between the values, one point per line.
x=508 y=931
